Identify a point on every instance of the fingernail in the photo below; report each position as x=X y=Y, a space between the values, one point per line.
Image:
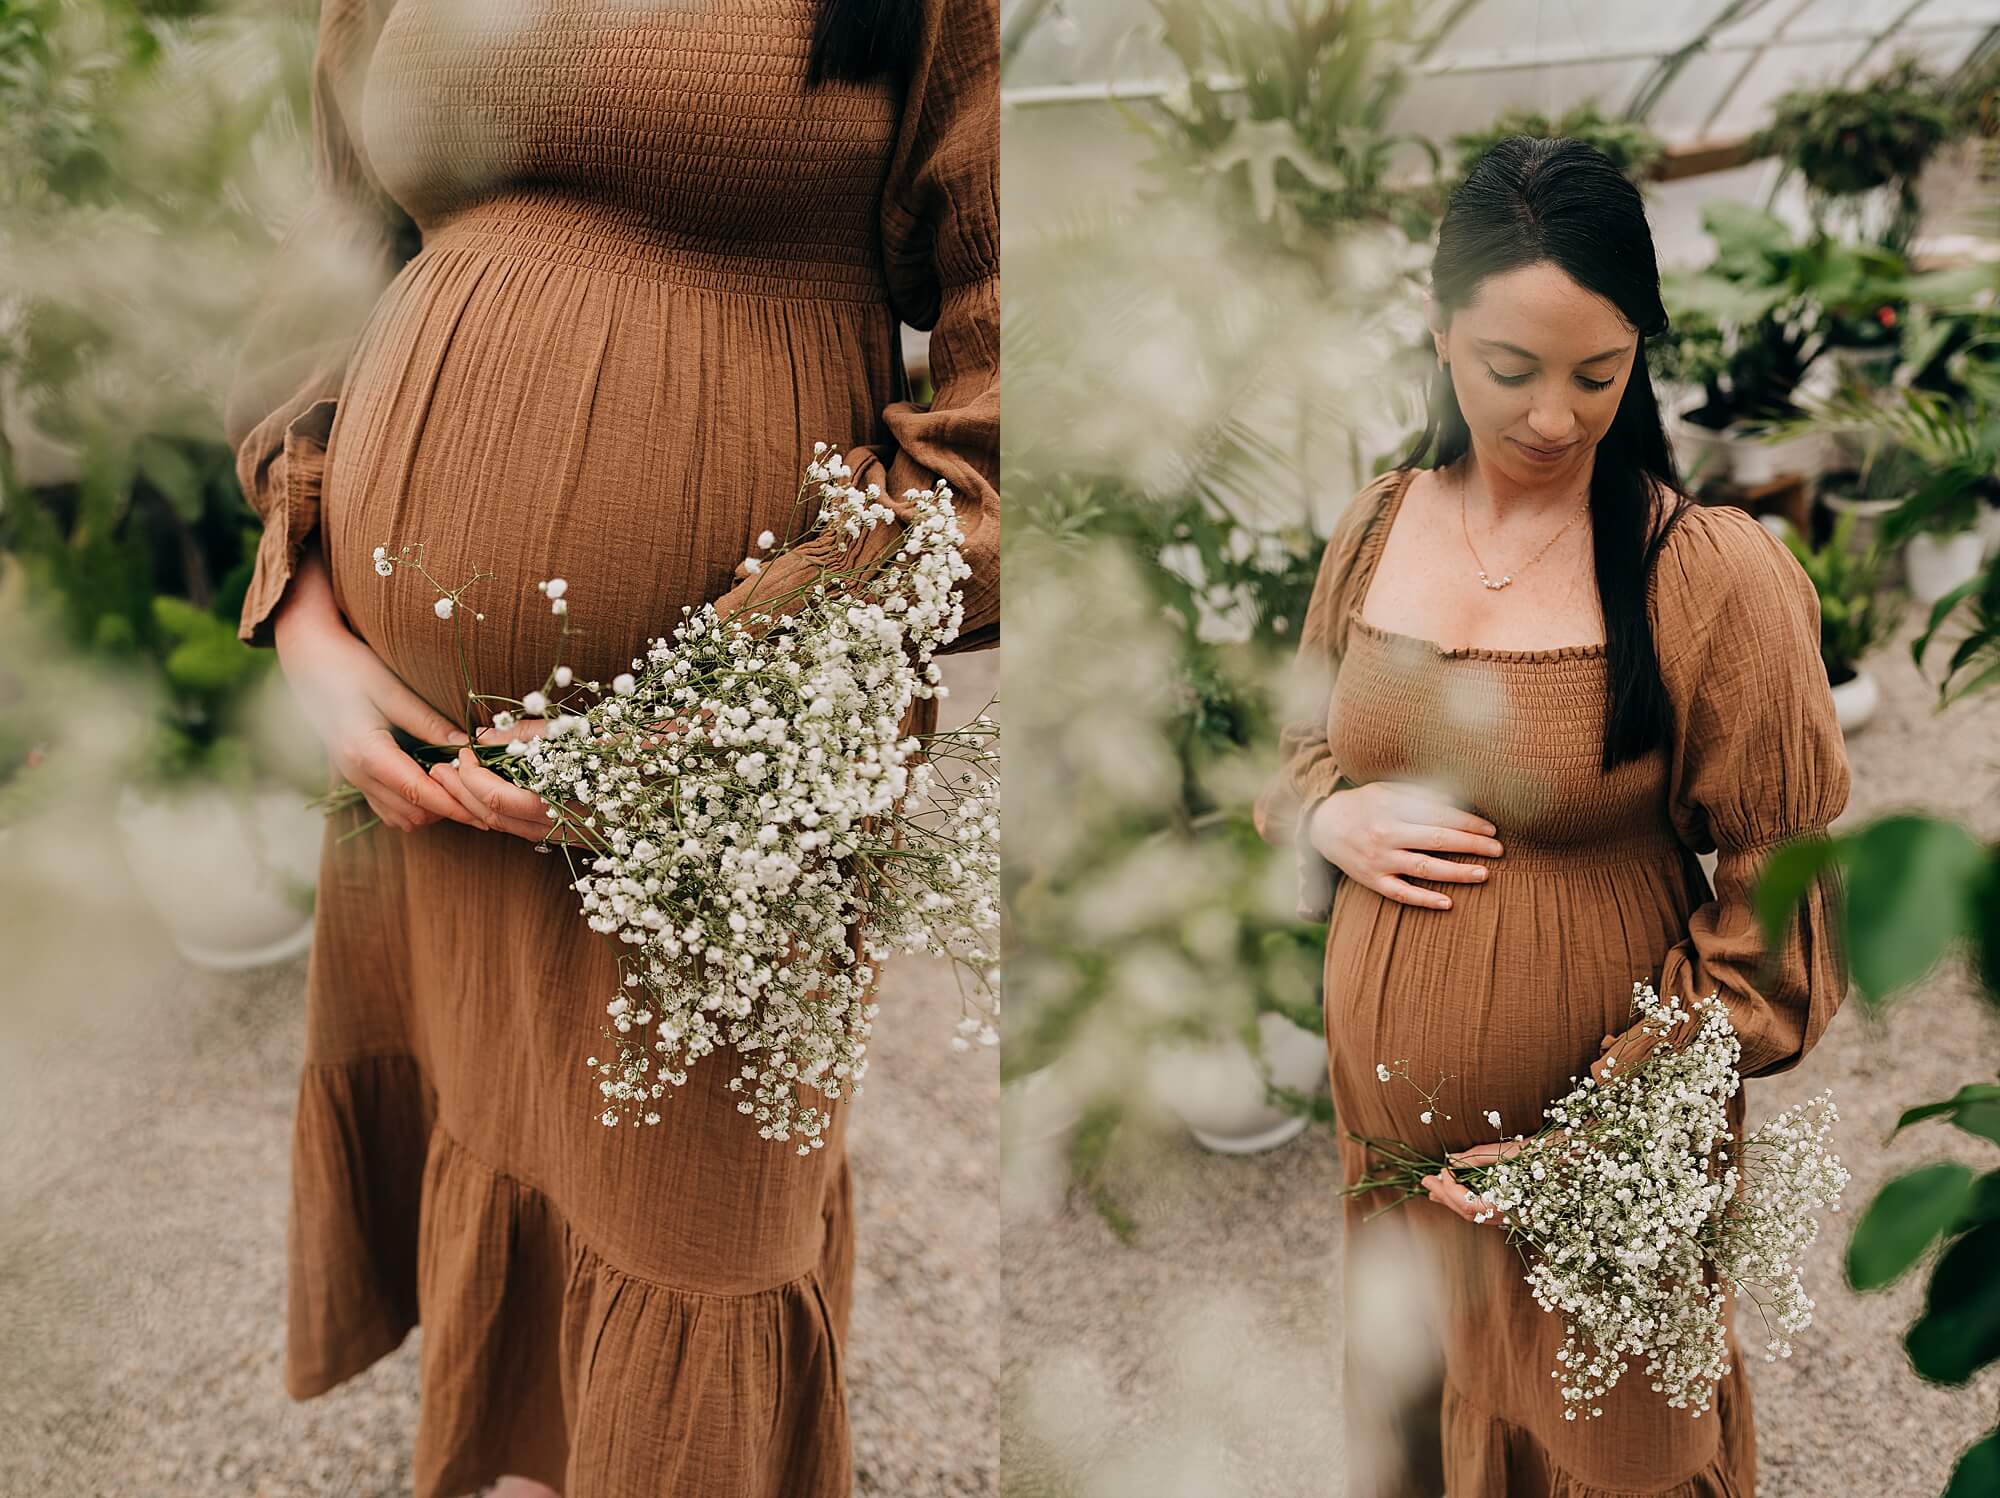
x=1479 y=873
x=1444 y=902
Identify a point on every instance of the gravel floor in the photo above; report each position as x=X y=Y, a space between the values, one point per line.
x=145 y=1123
x=1202 y=1361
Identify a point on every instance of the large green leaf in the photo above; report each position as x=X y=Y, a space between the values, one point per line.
x=1977 y=1474
x=1903 y=1220
x=1909 y=886
x=1983 y=1205
x=1975 y=1108
x=1959 y=1332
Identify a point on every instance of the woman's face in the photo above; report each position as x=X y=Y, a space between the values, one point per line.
x=1539 y=365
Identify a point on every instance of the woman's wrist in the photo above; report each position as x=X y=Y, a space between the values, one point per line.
x=307 y=601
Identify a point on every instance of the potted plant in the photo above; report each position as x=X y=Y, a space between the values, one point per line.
x=1867 y=494
x=1745 y=333
x=1853 y=617
x=1954 y=449
x=1633 y=148
x=1851 y=141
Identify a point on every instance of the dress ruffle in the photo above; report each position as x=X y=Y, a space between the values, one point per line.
x=539 y=1356
x=1486 y=1456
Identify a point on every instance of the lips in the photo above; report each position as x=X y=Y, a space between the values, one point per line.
x=1543 y=452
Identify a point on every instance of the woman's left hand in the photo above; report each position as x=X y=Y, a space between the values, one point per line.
x=501 y=805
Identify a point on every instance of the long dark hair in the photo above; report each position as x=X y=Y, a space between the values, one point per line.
x=1527 y=202
x=858 y=39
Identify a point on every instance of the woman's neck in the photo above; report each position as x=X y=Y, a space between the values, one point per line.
x=1507 y=499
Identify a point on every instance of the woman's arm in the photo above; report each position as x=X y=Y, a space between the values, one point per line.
x=940 y=231
x=1756 y=758
x=329 y=271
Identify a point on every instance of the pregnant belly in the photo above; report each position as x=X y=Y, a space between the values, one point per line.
x=1496 y=1003
x=530 y=419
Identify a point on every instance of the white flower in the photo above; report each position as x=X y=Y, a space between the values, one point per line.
x=555 y=587
x=442 y=608
x=1493 y=1118
x=623 y=684
x=535 y=705
x=559 y=606
x=1425 y=1116
x=752 y=566
x=766 y=540
x=1381 y=1072
x=564 y=676
x=381 y=552
x=384 y=567
x=503 y=720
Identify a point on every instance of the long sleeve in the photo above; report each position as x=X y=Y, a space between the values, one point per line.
x=1756 y=759
x=328 y=272
x=1307 y=772
x=940 y=226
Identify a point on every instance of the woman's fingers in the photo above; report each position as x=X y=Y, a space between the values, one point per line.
x=1446 y=1190
x=1420 y=803
x=1429 y=866
x=393 y=773
x=409 y=712
x=1487 y=1154
x=1446 y=840
x=494 y=792
x=512 y=814
x=1410 y=894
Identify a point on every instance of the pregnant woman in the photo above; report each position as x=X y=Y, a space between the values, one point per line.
x=581 y=283
x=1550 y=682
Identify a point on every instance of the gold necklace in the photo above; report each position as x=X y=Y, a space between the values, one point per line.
x=1484 y=579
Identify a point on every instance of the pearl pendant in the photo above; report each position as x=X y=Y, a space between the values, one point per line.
x=1496 y=587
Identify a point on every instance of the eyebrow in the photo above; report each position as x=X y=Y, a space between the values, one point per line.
x=1495 y=343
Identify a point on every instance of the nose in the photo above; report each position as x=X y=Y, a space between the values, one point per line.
x=1551 y=424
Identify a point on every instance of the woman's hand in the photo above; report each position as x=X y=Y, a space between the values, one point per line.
x=1448 y=1192
x=352 y=699
x=1389 y=831
x=499 y=805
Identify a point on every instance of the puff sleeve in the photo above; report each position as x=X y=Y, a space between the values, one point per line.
x=328 y=272
x=940 y=228
x=1307 y=772
x=1756 y=758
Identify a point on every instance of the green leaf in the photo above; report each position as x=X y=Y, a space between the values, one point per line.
x=1908 y=897
x=1971 y=1096
x=1977 y=1474
x=1900 y=1224
x=1959 y=1332
x=1788 y=874
x=1983 y=1205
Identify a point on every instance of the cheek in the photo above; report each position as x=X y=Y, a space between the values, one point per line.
x=1486 y=406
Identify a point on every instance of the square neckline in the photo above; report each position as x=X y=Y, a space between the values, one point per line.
x=1378 y=539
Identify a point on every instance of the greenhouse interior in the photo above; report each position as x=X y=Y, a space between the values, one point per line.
x=1219 y=221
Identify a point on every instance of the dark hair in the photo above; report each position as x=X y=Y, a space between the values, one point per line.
x=1528 y=202
x=857 y=39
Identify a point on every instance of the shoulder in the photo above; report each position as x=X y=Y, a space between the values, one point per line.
x=1721 y=575
x=1358 y=521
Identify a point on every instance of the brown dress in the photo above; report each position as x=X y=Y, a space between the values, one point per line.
x=618 y=269
x=1511 y=991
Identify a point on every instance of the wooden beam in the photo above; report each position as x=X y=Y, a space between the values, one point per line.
x=1702 y=158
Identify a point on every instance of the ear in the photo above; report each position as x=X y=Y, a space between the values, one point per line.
x=1440 y=327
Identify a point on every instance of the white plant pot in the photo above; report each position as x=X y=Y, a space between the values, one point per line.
x=226 y=873
x=1703 y=454
x=1868 y=515
x=1937 y=564
x=1855 y=700
x=1756 y=461
x=1218 y=1091
x=1989 y=528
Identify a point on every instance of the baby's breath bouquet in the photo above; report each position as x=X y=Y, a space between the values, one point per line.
x=1634 y=1217
x=760 y=837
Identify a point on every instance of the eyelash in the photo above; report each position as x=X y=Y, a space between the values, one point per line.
x=1522 y=379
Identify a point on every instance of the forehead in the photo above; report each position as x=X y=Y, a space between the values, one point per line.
x=1541 y=308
